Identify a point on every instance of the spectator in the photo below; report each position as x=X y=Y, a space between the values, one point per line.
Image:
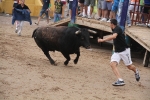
x=86 y=4
x=58 y=10
x=71 y=5
x=67 y=7
x=133 y=5
x=43 y=16
x=146 y=10
x=63 y=8
x=15 y=3
x=49 y=11
x=81 y=2
x=106 y=7
x=119 y=14
x=45 y=9
x=114 y=10
x=99 y=10
x=134 y=8
x=21 y=7
x=141 y=4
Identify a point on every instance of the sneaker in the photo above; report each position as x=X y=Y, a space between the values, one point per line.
x=109 y=20
x=80 y=15
x=85 y=16
x=19 y=33
x=89 y=17
x=141 y=24
x=118 y=83
x=98 y=18
x=36 y=23
x=103 y=19
x=137 y=75
x=129 y=25
x=148 y=25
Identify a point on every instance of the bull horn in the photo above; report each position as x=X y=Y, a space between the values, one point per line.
x=77 y=32
x=94 y=32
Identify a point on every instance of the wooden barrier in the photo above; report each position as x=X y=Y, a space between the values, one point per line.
x=142 y=36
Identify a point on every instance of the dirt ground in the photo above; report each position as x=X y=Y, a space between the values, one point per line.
x=26 y=74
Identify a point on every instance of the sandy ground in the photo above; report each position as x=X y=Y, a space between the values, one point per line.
x=26 y=74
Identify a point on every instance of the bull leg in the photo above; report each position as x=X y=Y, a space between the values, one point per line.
x=68 y=59
x=78 y=54
x=49 y=57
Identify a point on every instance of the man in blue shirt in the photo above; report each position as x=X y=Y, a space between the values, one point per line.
x=45 y=10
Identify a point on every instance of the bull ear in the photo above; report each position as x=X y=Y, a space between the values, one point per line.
x=91 y=31
x=77 y=32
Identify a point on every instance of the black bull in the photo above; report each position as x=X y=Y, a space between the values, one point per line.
x=67 y=40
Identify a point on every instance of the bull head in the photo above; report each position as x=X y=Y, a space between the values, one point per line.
x=91 y=31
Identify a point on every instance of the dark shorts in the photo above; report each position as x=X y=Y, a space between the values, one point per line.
x=44 y=11
x=81 y=1
x=89 y=2
x=146 y=9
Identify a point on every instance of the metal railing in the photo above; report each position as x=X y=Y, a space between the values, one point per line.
x=138 y=16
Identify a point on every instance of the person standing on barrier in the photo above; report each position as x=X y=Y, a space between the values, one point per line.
x=120 y=6
x=81 y=2
x=86 y=4
x=58 y=10
x=45 y=9
x=146 y=10
x=114 y=10
x=122 y=51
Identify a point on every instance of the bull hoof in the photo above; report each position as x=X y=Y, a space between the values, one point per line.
x=52 y=62
x=66 y=63
x=75 y=61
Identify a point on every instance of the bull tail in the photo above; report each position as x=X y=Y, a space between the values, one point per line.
x=34 y=33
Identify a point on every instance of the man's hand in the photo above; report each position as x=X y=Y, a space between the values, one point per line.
x=100 y=40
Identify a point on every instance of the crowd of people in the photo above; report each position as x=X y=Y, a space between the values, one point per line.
x=106 y=9
x=109 y=9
